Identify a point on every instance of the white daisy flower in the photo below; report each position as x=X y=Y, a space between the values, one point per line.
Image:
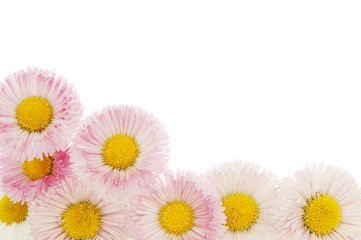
x=14 y=219
x=119 y=149
x=38 y=113
x=321 y=203
x=71 y=212
x=247 y=193
x=180 y=206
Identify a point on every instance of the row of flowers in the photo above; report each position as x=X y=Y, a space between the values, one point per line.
x=106 y=177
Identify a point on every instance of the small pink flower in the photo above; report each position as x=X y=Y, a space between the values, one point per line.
x=180 y=206
x=38 y=113
x=248 y=194
x=320 y=202
x=26 y=181
x=119 y=149
x=70 y=211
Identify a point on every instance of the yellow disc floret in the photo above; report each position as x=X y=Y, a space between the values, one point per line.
x=241 y=211
x=120 y=151
x=34 y=114
x=38 y=168
x=176 y=217
x=12 y=212
x=81 y=220
x=322 y=215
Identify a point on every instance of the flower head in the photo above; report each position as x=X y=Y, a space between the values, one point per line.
x=118 y=150
x=322 y=202
x=72 y=212
x=247 y=194
x=180 y=206
x=25 y=181
x=14 y=219
x=38 y=113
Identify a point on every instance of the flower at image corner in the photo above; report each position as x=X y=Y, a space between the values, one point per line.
x=27 y=180
x=70 y=211
x=321 y=202
x=179 y=206
x=38 y=113
x=14 y=219
x=119 y=149
x=248 y=195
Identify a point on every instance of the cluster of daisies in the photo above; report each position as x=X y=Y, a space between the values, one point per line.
x=105 y=177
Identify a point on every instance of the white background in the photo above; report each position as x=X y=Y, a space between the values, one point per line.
x=273 y=82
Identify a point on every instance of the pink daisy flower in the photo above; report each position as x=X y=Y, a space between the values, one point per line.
x=119 y=149
x=14 y=219
x=180 y=206
x=321 y=203
x=247 y=193
x=73 y=213
x=38 y=113
x=26 y=181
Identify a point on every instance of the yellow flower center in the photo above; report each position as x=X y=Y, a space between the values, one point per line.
x=176 y=217
x=12 y=212
x=38 y=168
x=241 y=211
x=81 y=220
x=322 y=215
x=120 y=151
x=34 y=114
